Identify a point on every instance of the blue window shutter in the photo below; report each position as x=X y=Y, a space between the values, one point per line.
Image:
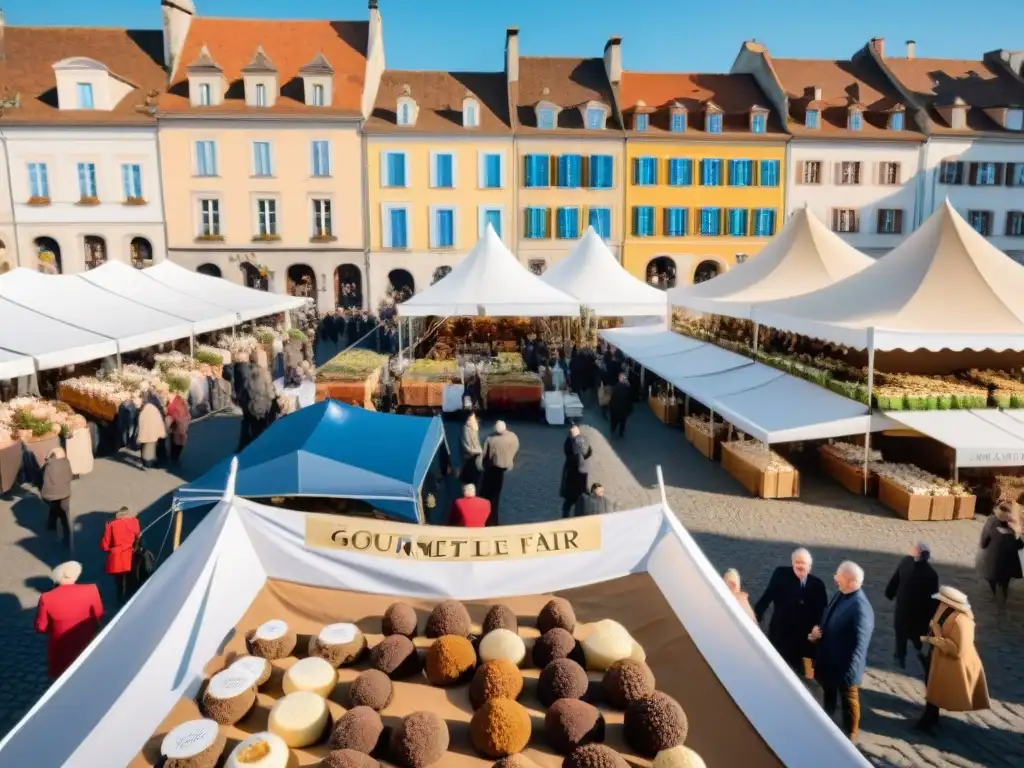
x=560 y=222
x=493 y=217
x=493 y=171
x=577 y=170
x=444 y=171
x=447 y=228
x=563 y=171
x=636 y=171
x=609 y=180
x=600 y=219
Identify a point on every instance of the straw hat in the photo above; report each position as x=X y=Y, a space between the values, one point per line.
x=954 y=598
x=66 y=573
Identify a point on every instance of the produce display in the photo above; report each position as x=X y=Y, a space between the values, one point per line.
x=351 y=377
x=510 y=390
x=27 y=419
x=852 y=454
x=423 y=382
x=753 y=452
x=917 y=481
x=703 y=424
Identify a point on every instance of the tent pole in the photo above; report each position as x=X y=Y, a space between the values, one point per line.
x=871 y=386
x=192 y=344
x=177 y=530
x=686 y=407
x=119 y=357
x=757 y=332
x=412 y=342
x=399 y=338
x=642 y=372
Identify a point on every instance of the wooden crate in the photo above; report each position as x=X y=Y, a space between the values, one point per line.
x=666 y=413
x=963 y=508
x=942 y=507
x=850 y=477
x=762 y=483
x=909 y=506
x=350 y=392
x=707 y=444
x=423 y=393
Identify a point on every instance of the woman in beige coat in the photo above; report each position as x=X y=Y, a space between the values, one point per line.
x=152 y=430
x=956 y=679
x=732 y=581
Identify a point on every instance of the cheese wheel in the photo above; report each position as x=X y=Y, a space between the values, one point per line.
x=258 y=667
x=195 y=744
x=299 y=718
x=310 y=674
x=339 y=644
x=502 y=644
x=607 y=643
x=271 y=630
x=261 y=750
x=229 y=695
x=678 y=757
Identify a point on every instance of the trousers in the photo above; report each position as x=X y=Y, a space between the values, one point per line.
x=849 y=695
x=492 y=481
x=59 y=511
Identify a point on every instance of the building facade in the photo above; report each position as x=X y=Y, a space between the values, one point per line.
x=262 y=157
x=706 y=160
x=81 y=180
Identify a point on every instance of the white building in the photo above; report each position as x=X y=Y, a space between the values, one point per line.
x=81 y=177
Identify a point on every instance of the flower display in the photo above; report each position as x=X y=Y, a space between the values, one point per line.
x=766 y=460
x=24 y=418
x=851 y=454
x=702 y=424
x=917 y=481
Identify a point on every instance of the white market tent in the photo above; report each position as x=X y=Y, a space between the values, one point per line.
x=50 y=343
x=980 y=438
x=152 y=654
x=490 y=282
x=804 y=256
x=593 y=275
x=15 y=364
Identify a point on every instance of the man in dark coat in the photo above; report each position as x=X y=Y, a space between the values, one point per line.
x=620 y=406
x=799 y=599
x=594 y=503
x=912 y=586
x=576 y=469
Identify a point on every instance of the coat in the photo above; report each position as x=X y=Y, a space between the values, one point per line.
x=998 y=558
x=500 y=450
x=587 y=505
x=744 y=601
x=912 y=586
x=796 y=612
x=118 y=542
x=470 y=512
x=151 y=425
x=846 y=630
x=576 y=469
x=470 y=443
x=956 y=679
x=57 y=476
x=178 y=419
x=69 y=615
x=621 y=403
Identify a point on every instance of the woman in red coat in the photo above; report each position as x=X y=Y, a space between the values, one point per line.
x=119 y=537
x=178 y=420
x=69 y=615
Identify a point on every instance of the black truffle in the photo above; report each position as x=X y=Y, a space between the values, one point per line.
x=594 y=756
x=399 y=619
x=348 y=758
x=554 y=644
x=358 y=729
x=500 y=617
x=557 y=612
x=562 y=679
x=627 y=681
x=654 y=724
x=396 y=657
x=495 y=679
x=421 y=739
x=371 y=689
x=449 y=618
x=571 y=723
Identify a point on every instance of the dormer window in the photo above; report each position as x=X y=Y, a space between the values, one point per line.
x=896 y=121
x=546 y=118
x=713 y=120
x=1015 y=119
x=407 y=111
x=204 y=95
x=317 y=81
x=84 y=83
x=640 y=122
x=259 y=77
x=677 y=121
x=854 y=120
x=595 y=117
x=318 y=95
x=84 y=93
x=758 y=120
x=261 y=95
x=470 y=113
x=812 y=119
x=206 y=83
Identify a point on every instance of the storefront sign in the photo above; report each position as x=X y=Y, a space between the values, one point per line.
x=990 y=458
x=382 y=538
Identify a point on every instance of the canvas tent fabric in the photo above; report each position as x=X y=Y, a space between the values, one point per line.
x=593 y=275
x=981 y=438
x=50 y=342
x=944 y=287
x=649 y=341
x=332 y=450
x=490 y=282
x=153 y=653
x=804 y=256
x=13 y=364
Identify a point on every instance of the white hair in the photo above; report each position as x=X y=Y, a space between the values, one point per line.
x=732 y=576
x=66 y=573
x=924 y=546
x=852 y=571
x=499 y=427
x=469 y=490
x=801 y=554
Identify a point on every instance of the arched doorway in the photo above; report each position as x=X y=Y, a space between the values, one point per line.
x=209 y=269
x=705 y=271
x=141 y=252
x=348 y=287
x=48 y=253
x=95 y=251
x=401 y=283
x=254 y=277
x=661 y=273
x=440 y=274
x=301 y=281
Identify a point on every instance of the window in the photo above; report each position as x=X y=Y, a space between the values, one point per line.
x=83 y=92
x=764 y=222
x=855 y=121
x=321 y=151
x=490 y=171
x=131 y=181
x=643 y=220
x=1015 y=223
x=209 y=217
x=1015 y=119
x=710 y=173
x=888 y=173
x=710 y=221
x=470 y=114
x=849 y=173
x=490 y=216
x=567 y=223
x=266 y=217
x=536 y=223
x=675 y=222
x=38 y=183
x=261 y=95
x=86 y=180
x=714 y=122
x=890 y=221
x=595 y=118
x=759 y=122
x=442 y=227
x=896 y=121
x=844 y=220
x=205 y=98
x=206 y=158
x=1015 y=174
x=984 y=174
x=396 y=227
x=811 y=172
x=677 y=122
x=680 y=172
x=741 y=173
x=546 y=119
x=981 y=221
x=640 y=122
x=405 y=114
x=601 y=220
x=768 y=173
x=601 y=172
x=737 y=220
x=538 y=171
x=442 y=172
x=812 y=119
x=394 y=169
x=261 y=158
x=570 y=170
x=322 y=219
x=318 y=95
x=951 y=172
x=645 y=171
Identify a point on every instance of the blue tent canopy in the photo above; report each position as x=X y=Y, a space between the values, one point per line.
x=332 y=450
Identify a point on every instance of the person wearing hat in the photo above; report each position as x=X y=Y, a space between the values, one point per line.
x=119 y=536
x=956 y=678
x=69 y=615
x=912 y=587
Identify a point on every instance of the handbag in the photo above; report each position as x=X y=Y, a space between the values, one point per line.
x=143 y=564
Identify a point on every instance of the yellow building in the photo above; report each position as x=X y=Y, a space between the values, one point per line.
x=439 y=154
x=706 y=162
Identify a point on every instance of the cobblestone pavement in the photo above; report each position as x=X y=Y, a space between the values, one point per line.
x=733 y=530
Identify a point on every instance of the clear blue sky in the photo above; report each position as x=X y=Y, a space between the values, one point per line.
x=665 y=35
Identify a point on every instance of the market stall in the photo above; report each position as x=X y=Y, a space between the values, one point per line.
x=352 y=377
x=15 y=364
x=50 y=343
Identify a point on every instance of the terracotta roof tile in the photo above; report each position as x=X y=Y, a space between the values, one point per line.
x=133 y=56
x=439 y=97
x=260 y=63
x=568 y=83
x=290 y=45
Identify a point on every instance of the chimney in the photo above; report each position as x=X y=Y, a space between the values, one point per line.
x=374 y=58
x=177 y=17
x=512 y=54
x=878 y=43
x=817 y=93
x=911 y=48
x=613 y=59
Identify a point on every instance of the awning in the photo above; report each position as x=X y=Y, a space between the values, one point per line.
x=13 y=365
x=702 y=361
x=50 y=342
x=981 y=438
x=705 y=389
x=646 y=341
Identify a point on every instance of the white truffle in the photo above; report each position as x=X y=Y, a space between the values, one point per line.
x=310 y=674
x=502 y=644
x=194 y=744
x=678 y=757
x=607 y=643
x=261 y=750
x=299 y=718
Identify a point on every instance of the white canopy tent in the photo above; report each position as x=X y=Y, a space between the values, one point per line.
x=592 y=274
x=490 y=282
x=15 y=364
x=804 y=256
x=49 y=342
x=980 y=438
x=649 y=341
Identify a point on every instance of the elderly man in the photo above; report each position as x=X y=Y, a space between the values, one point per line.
x=799 y=599
x=499 y=456
x=843 y=639
x=469 y=511
x=69 y=615
x=912 y=586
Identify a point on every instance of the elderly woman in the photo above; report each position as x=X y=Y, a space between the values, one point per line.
x=956 y=678
x=69 y=615
x=56 y=491
x=152 y=430
x=259 y=401
x=732 y=581
x=999 y=550
x=178 y=421
x=118 y=542
x=471 y=452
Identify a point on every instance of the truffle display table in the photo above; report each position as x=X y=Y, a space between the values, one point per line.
x=666 y=411
x=708 y=445
x=559 y=406
x=847 y=475
x=354 y=392
x=919 y=507
x=764 y=483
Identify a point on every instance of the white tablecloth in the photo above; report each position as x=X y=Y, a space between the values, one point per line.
x=304 y=394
